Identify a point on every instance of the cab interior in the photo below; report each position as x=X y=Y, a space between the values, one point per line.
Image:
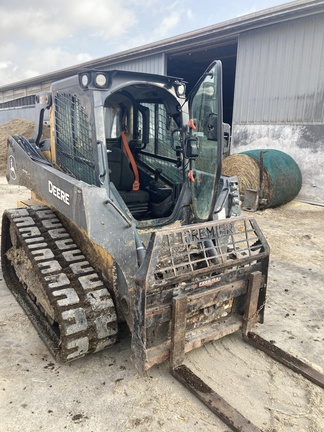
x=143 y=125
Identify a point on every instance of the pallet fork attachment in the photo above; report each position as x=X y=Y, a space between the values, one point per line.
x=227 y=413
x=286 y=359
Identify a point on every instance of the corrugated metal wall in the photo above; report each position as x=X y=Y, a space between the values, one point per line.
x=19 y=93
x=279 y=96
x=280 y=73
x=151 y=64
x=25 y=113
x=155 y=64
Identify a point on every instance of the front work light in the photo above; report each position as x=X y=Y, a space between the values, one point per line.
x=85 y=79
x=101 y=80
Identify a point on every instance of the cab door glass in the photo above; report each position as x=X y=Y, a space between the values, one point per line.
x=205 y=108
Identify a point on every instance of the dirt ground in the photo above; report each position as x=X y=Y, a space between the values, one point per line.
x=16 y=127
x=105 y=393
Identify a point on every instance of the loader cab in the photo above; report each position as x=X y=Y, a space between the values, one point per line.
x=163 y=150
x=156 y=152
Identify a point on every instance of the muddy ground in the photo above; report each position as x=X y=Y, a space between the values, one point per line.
x=104 y=392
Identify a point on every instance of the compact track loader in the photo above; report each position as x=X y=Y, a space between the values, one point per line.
x=131 y=221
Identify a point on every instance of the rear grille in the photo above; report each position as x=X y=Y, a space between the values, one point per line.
x=74 y=149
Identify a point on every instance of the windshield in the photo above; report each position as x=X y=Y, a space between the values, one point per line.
x=206 y=113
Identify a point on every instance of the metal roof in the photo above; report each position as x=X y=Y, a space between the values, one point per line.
x=206 y=36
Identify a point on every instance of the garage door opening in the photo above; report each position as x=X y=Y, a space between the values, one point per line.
x=192 y=63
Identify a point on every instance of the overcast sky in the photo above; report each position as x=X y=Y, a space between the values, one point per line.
x=37 y=37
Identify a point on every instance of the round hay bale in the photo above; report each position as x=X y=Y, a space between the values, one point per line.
x=247 y=171
x=281 y=175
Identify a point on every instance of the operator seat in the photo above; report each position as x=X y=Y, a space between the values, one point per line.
x=122 y=175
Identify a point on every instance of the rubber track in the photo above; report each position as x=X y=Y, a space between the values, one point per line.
x=85 y=316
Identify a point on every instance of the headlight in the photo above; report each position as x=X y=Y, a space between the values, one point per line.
x=91 y=79
x=101 y=80
x=85 y=79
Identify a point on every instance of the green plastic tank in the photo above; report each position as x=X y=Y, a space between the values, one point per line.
x=282 y=179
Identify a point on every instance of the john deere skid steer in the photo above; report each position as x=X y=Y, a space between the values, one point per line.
x=130 y=219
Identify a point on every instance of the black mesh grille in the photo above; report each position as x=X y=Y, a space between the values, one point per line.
x=74 y=150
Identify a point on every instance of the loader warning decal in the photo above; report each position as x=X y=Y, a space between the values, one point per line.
x=58 y=193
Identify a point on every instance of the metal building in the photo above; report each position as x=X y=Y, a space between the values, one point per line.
x=273 y=80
